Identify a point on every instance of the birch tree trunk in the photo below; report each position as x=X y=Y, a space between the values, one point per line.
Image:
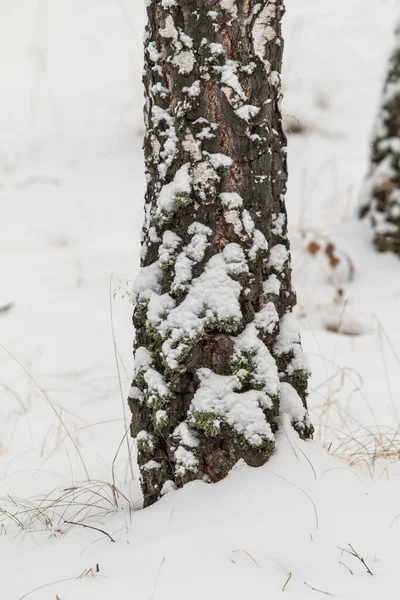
x=218 y=357
x=382 y=191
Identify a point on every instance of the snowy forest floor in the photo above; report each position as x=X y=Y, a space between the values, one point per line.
x=71 y=196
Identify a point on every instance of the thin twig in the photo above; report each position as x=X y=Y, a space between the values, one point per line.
x=90 y=527
x=319 y=591
x=354 y=553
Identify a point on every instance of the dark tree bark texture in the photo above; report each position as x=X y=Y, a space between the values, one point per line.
x=218 y=358
x=382 y=191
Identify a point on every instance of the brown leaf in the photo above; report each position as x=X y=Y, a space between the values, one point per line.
x=313 y=248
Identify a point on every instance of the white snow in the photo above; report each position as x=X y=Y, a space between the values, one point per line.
x=233 y=217
x=156 y=385
x=191 y=254
x=205 y=134
x=151 y=464
x=169 y=150
x=143 y=360
x=184 y=62
x=152 y=51
x=158 y=307
x=279 y=220
x=262 y=31
x=169 y=30
x=161 y=416
x=180 y=184
x=72 y=187
x=212 y=296
x=219 y=395
x=247 y=112
x=185 y=461
x=291 y=403
x=186 y=39
x=259 y=243
x=228 y=73
x=193 y=90
x=274 y=78
x=272 y=285
x=248 y=222
x=288 y=341
x=136 y=394
x=170 y=244
x=230 y=6
x=145 y=436
x=231 y=200
x=213 y=14
x=159 y=89
x=148 y=280
x=169 y=486
x=216 y=48
x=193 y=146
x=219 y=160
x=186 y=435
x=265 y=371
x=345 y=320
x=267 y=318
x=278 y=257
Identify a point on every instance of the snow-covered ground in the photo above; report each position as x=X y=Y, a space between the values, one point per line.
x=71 y=195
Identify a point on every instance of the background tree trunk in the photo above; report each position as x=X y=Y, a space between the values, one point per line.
x=217 y=354
x=382 y=202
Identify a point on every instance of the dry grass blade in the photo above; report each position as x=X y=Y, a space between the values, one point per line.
x=250 y=556
x=157 y=576
x=80 y=504
x=301 y=490
x=342 y=431
x=117 y=362
x=308 y=460
x=346 y=567
x=42 y=587
x=289 y=577
x=51 y=404
x=46 y=585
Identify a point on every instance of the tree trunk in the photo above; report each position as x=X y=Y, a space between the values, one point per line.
x=382 y=192
x=217 y=354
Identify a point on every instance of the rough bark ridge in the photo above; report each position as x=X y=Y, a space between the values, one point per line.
x=217 y=354
x=382 y=193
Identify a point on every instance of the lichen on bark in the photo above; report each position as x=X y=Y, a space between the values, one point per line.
x=217 y=354
x=381 y=195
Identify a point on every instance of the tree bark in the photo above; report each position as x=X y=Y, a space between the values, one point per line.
x=217 y=354
x=382 y=190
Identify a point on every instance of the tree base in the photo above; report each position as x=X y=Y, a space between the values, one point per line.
x=387 y=243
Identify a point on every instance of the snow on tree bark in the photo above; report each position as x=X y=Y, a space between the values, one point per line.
x=217 y=352
x=382 y=191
